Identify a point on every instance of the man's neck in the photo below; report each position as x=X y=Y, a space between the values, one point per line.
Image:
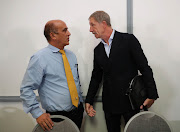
x=61 y=47
x=107 y=34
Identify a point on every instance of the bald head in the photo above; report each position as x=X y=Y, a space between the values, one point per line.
x=52 y=27
x=57 y=33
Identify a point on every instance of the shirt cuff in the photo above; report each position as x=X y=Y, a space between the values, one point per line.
x=36 y=112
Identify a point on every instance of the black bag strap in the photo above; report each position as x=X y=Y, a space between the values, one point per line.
x=145 y=108
x=128 y=93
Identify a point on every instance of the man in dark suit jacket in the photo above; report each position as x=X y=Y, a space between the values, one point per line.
x=117 y=59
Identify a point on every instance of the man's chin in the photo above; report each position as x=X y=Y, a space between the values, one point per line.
x=96 y=36
x=66 y=44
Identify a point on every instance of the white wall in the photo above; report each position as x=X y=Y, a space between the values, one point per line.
x=156 y=25
x=22 y=24
x=21 y=35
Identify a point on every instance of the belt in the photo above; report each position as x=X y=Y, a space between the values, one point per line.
x=66 y=112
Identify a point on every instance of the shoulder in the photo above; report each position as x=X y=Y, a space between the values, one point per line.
x=41 y=57
x=125 y=36
x=99 y=47
x=122 y=35
x=41 y=53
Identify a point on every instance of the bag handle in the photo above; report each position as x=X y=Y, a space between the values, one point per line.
x=145 y=108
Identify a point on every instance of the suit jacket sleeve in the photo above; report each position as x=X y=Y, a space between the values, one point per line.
x=142 y=65
x=96 y=79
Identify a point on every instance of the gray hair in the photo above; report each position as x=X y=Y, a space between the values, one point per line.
x=101 y=16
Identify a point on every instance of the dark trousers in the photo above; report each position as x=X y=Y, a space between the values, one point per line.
x=113 y=121
x=76 y=115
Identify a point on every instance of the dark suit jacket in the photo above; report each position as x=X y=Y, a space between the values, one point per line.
x=125 y=59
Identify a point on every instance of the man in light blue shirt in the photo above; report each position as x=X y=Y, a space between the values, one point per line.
x=46 y=74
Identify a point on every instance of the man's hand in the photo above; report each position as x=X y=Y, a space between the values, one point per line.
x=148 y=103
x=45 y=121
x=89 y=110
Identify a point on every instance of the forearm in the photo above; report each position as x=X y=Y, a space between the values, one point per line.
x=94 y=83
x=31 y=81
x=93 y=87
x=30 y=103
x=142 y=65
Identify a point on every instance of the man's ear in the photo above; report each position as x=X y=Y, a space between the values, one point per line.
x=52 y=35
x=104 y=23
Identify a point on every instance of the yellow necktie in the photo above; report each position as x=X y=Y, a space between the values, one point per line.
x=70 y=80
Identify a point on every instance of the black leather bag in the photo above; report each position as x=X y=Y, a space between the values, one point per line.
x=137 y=92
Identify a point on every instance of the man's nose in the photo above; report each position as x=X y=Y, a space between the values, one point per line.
x=90 y=30
x=69 y=33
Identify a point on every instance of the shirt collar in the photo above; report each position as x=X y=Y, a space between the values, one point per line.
x=112 y=34
x=53 y=49
x=110 y=38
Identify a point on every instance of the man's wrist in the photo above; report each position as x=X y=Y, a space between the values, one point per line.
x=36 y=113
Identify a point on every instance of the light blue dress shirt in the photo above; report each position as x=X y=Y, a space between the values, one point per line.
x=106 y=46
x=46 y=74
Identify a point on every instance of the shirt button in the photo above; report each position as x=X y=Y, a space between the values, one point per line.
x=76 y=98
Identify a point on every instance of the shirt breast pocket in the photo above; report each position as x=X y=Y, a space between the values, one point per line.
x=75 y=71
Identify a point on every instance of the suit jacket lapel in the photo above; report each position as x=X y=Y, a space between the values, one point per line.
x=103 y=50
x=114 y=43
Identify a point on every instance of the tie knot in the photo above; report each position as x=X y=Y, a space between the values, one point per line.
x=62 y=52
